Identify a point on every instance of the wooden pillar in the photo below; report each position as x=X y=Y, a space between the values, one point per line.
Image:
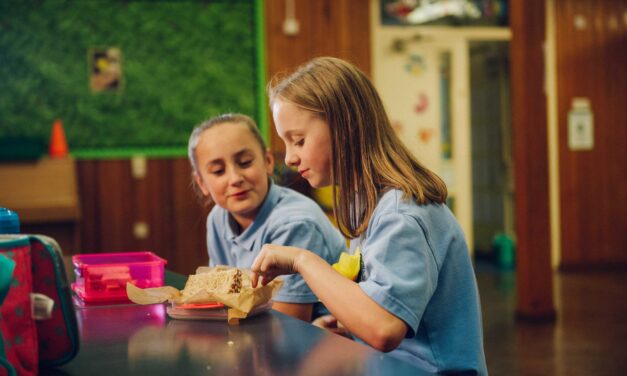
x=529 y=123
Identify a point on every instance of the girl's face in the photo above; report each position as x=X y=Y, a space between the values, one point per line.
x=307 y=142
x=233 y=170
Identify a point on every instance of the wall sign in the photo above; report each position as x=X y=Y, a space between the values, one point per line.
x=105 y=69
x=580 y=125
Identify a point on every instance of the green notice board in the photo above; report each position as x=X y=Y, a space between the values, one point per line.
x=127 y=77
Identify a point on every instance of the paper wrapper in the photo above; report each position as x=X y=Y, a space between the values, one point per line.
x=239 y=304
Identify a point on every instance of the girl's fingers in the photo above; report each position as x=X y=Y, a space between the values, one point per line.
x=257 y=269
x=261 y=271
x=254 y=277
x=271 y=262
x=255 y=266
x=260 y=279
x=328 y=322
x=267 y=277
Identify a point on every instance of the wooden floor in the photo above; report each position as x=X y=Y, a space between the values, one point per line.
x=589 y=336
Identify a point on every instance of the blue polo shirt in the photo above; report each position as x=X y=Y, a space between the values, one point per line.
x=286 y=218
x=416 y=265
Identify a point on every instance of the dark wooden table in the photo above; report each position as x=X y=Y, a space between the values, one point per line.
x=143 y=340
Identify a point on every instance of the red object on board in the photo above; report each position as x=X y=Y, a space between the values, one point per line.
x=58 y=143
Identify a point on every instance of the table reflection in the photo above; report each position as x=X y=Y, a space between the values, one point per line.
x=200 y=345
x=106 y=323
x=134 y=340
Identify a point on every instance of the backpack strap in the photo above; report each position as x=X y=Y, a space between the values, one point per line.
x=6 y=274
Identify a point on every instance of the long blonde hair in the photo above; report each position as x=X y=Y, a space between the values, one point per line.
x=367 y=156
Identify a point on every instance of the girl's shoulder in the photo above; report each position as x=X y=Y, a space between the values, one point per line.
x=393 y=202
x=292 y=203
x=284 y=204
x=293 y=209
x=216 y=214
x=433 y=220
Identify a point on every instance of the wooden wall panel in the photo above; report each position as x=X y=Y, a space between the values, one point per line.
x=87 y=173
x=189 y=229
x=591 y=63
x=339 y=28
x=115 y=210
x=113 y=201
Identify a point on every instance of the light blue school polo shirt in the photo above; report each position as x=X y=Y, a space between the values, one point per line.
x=286 y=218
x=417 y=266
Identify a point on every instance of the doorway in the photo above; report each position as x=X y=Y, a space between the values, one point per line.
x=446 y=91
x=491 y=135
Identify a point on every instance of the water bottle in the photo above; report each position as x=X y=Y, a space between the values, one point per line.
x=505 y=251
x=9 y=222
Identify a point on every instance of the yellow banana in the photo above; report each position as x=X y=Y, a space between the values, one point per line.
x=348 y=265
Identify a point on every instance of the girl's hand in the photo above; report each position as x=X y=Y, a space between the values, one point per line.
x=273 y=261
x=330 y=323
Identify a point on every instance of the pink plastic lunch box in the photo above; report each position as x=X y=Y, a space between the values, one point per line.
x=102 y=277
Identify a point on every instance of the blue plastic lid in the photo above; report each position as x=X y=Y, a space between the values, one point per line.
x=9 y=222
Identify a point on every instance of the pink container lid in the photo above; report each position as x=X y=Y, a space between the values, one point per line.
x=116 y=258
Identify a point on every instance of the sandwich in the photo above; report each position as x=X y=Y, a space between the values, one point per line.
x=215 y=281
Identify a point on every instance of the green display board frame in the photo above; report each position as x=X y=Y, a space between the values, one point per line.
x=210 y=60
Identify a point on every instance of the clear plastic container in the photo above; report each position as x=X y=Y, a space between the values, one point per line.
x=102 y=277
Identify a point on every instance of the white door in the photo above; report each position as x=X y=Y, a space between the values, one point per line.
x=424 y=83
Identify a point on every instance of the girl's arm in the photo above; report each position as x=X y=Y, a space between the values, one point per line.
x=298 y=310
x=361 y=315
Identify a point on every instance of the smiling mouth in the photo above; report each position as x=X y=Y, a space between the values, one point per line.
x=240 y=194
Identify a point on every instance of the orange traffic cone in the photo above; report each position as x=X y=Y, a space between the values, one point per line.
x=58 y=144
